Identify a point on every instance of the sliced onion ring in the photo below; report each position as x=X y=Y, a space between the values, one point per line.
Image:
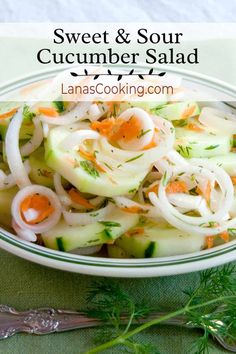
x=25 y=234
x=165 y=141
x=73 y=140
x=66 y=199
x=35 y=140
x=76 y=114
x=72 y=218
x=14 y=159
x=148 y=210
x=197 y=224
x=45 y=225
x=138 y=143
x=218 y=120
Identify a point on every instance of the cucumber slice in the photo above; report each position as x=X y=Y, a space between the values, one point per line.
x=66 y=238
x=27 y=127
x=26 y=130
x=201 y=144
x=160 y=242
x=116 y=252
x=232 y=211
x=6 y=197
x=227 y=162
x=180 y=110
x=81 y=172
x=40 y=173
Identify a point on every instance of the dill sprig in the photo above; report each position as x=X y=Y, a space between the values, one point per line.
x=211 y=305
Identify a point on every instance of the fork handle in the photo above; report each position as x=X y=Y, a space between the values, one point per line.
x=49 y=320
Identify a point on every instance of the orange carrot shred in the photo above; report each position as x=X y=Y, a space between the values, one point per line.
x=48 y=111
x=134 y=232
x=194 y=127
x=188 y=112
x=77 y=198
x=153 y=188
x=8 y=114
x=152 y=144
x=210 y=241
x=177 y=187
x=87 y=155
x=225 y=236
x=133 y=209
x=233 y=179
x=104 y=127
x=207 y=193
x=39 y=203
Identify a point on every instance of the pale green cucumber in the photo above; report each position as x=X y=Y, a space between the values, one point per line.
x=6 y=198
x=201 y=144
x=72 y=167
x=66 y=238
x=227 y=162
x=179 y=110
x=115 y=251
x=160 y=242
x=40 y=173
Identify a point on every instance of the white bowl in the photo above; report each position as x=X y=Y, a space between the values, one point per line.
x=122 y=267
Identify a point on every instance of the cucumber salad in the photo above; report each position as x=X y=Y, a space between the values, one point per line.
x=119 y=179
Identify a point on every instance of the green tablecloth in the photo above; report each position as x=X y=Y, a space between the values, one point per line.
x=26 y=285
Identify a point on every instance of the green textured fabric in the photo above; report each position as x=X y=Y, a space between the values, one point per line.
x=26 y=285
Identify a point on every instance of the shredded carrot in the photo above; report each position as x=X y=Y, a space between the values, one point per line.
x=48 y=111
x=210 y=241
x=153 y=188
x=116 y=129
x=207 y=193
x=135 y=232
x=152 y=144
x=233 y=179
x=188 y=112
x=42 y=216
x=127 y=130
x=87 y=155
x=177 y=187
x=225 y=236
x=133 y=209
x=39 y=203
x=104 y=127
x=8 y=114
x=77 y=198
x=25 y=205
x=113 y=106
x=194 y=127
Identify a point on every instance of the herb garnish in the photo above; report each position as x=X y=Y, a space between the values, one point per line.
x=89 y=167
x=108 y=166
x=216 y=289
x=134 y=158
x=184 y=151
x=131 y=191
x=211 y=147
x=232 y=232
x=59 y=105
x=164 y=179
x=110 y=223
x=27 y=114
x=143 y=132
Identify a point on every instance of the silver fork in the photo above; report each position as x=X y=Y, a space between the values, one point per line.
x=48 y=320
